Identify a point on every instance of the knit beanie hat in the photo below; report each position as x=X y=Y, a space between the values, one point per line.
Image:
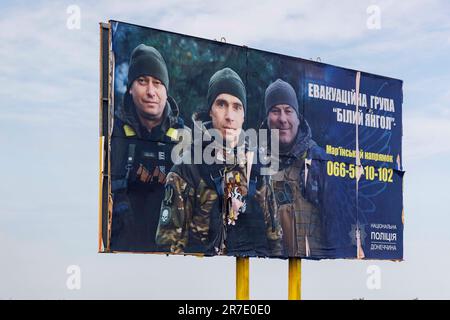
x=226 y=81
x=147 y=61
x=280 y=92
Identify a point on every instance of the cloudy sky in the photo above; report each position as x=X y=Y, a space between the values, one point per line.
x=49 y=84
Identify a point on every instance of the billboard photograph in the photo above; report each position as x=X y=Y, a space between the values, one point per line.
x=217 y=149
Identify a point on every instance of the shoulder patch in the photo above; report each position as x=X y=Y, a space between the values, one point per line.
x=165 y=216
x=129 y=131
x=172 y=133
x=168 y=195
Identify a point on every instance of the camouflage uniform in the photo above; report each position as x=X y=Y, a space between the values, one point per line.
x=195 y=214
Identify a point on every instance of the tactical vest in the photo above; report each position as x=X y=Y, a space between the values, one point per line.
x=138 y=172
x=143 y=162
x=247 y=237
x=300 y=220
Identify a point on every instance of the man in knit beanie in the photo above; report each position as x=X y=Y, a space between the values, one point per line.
x=282 y=111
x=299 y=184
x=226 y=81
x=145 y=131
x=219 y=203
x=148 y=85
x=227 y=102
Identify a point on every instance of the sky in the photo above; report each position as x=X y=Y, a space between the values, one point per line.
x=49 y=126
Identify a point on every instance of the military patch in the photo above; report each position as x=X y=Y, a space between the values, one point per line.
x=129 y=131
x=284 y=195
x=172 y=133
x=168 y=195
x=165 y=216
x=235 y=203
x=149 y=154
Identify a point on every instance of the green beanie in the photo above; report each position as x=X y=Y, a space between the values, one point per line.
x=280 y=92
x=147 y=61
x=226 y=81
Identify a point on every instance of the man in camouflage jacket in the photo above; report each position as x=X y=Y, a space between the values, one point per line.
x=221 y=207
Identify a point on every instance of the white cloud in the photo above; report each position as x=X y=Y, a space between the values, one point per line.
x=46 y=70
x=426 y=136
x=258 y=21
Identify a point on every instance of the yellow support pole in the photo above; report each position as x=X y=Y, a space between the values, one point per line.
x=295 y=279
x=242 y=278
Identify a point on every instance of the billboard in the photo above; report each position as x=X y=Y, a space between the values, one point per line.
x=210 y=148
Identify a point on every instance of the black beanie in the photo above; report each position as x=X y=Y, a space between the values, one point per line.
x=280 y=92
x=147 y=61
x=226 y=81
